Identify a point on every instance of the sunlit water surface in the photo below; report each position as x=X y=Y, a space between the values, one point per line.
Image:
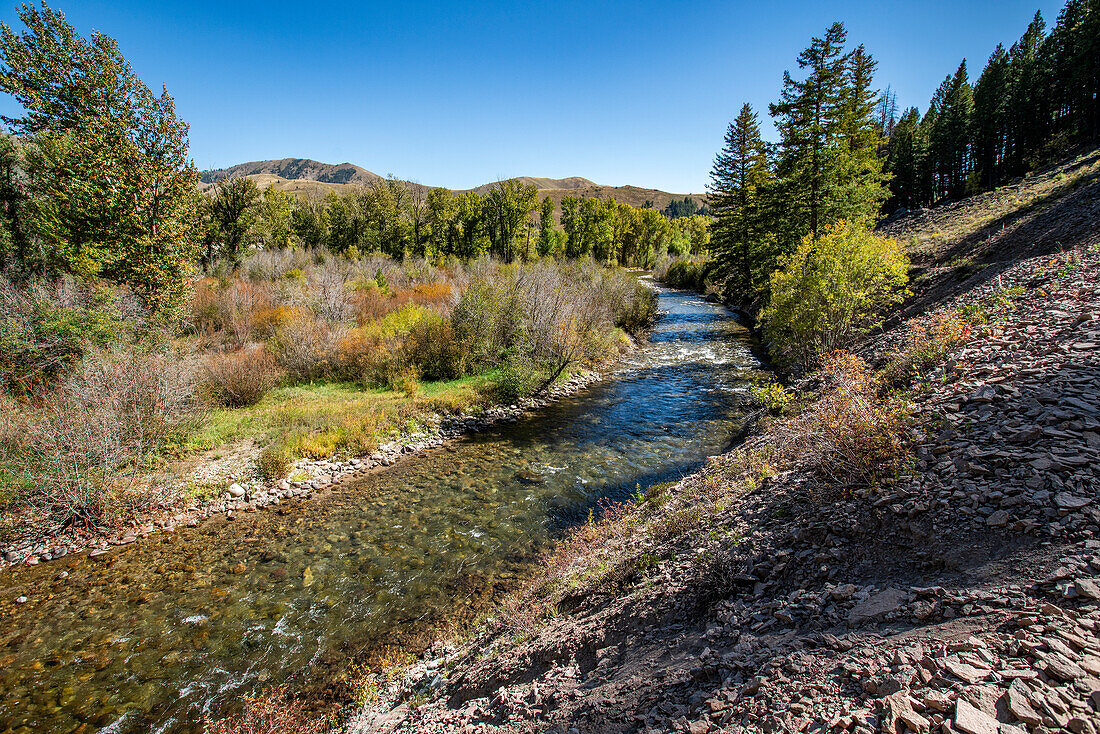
x=158 y=634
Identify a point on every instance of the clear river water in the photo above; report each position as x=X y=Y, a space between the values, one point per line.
x=158 y=634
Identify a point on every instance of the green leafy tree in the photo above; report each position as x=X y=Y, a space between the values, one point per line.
x=831 y=290
x=235 y=211
x=508 y=206
x=110 y=190
x=547 y=230
x=274 y=225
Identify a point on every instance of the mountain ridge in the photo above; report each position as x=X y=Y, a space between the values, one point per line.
x=308 y=176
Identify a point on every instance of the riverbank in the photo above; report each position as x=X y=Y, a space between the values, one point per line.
x=757 y=595
x=246 y=491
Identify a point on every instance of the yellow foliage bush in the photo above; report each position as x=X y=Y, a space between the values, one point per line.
x=831 y=290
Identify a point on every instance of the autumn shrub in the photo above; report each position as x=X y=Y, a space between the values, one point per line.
x=266 y=321
x=857 y=433
x=274 y=461
x=432 y=346
x=831 y=290
x=370 y=302
x=85 y=439
x=927 y=344
x=270 y=712
x=241 y=378
x=224 y=310
x=46 y=327
x=304 y=346
x=406 y=380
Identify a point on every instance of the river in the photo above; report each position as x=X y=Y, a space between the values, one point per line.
x=157 y=634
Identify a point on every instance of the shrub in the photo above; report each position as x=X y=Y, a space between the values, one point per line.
x=831 y=290
x=770 y=395
x=44 y=329
x=686 y=273
x=513 y=381
x=225 y=310
x=406 y=381
x=242 y=378
x=84 y=440
x=270 y=713
x=305 y=346
x=859 y=435
x=432 y=347
x=927 y=343
x=274 y=461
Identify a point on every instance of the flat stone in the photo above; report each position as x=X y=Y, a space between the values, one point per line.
x=974 y=721
x=1067 y=501
x=963 y=671
x=1089 y=588
x=877 y=605
x=236 y=490
x=1020 y=707
x=998 y=519
x=1063 y=669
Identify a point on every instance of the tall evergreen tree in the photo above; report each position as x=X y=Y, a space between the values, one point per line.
x=904 y=161
x=1027 y=128
x=951 y=134
x=991 y=118
x=808 y=117
x=737 y=183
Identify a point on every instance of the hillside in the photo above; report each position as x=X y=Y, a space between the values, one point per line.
x=303 y=169
x=308 y=177
x=759 y=595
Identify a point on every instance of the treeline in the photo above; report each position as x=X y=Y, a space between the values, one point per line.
x=398 y=219
x=1031 y=105
x=844 y=155
x=96 y=183
x=825 y=168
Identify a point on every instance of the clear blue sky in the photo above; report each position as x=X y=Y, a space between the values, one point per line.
x=461 y=93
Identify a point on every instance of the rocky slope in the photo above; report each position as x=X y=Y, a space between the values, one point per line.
x=963 y=597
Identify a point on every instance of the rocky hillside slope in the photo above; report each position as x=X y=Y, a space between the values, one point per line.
x=964 y=597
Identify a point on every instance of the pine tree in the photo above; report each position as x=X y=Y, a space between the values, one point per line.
x=991 y=118
x=860 y=186
x=904 y=161
x=738 y=180
x=951 y=134
x=1027 y=128
x=808 y=117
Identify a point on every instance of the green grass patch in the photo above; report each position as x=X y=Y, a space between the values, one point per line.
x=322 y=418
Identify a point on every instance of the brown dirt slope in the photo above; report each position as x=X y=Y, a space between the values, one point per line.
x=963 y=598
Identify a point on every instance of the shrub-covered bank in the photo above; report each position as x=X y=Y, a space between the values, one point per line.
x=295 y=356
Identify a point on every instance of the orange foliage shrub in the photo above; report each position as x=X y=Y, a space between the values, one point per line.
x=224 y=311
x=927 y=344
x=856 y=434
x=270 y=713
x=370 y=304
x=241 y=378
x=266 y=321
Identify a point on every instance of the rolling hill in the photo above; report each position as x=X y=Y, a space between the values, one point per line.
x=304 y=176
